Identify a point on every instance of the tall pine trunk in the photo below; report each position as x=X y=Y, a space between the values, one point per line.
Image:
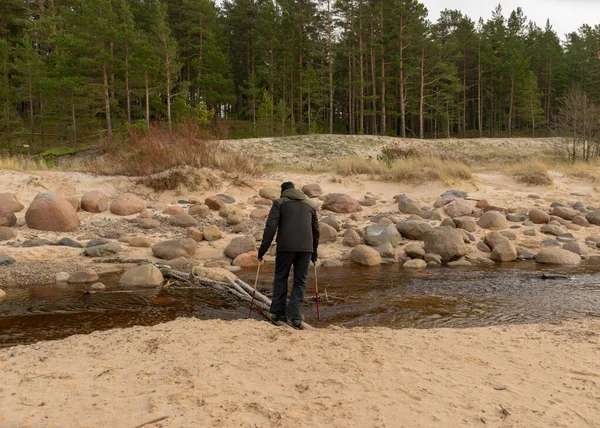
x=330 y=60
x=401 y=82
x=73 y=120
x=127 y=91
x=373 y=82
x=107 y=103
x=361 y=113
x=479 y=100
x=422 y=95
x=510 y=108
x=147 y=88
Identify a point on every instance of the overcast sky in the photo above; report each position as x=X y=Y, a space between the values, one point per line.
x=565 y=15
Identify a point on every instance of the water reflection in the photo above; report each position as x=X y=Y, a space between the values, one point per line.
x=387 y=296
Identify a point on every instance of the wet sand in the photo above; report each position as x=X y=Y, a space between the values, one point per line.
x=248 y=373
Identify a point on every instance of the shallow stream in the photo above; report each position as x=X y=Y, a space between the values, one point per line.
x=351 y=296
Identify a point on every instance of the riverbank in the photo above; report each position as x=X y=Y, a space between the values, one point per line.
x=249 y=373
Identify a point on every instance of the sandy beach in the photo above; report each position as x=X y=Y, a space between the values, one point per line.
x=249 y=373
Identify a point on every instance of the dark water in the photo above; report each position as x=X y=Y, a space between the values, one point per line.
x=387 y=296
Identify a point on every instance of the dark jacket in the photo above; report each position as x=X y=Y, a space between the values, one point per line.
x=294 y=219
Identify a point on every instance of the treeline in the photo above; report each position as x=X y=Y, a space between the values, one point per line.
x=70 y=68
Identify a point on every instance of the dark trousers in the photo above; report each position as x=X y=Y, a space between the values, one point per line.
x=283 y=263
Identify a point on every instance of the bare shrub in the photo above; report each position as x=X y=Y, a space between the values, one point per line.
x=152 y=151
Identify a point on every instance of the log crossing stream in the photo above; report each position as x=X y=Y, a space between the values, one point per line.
x=386 y=296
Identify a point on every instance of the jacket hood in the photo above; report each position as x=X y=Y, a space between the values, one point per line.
x=294 y=194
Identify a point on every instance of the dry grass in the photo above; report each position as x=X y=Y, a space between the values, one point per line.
x=533 y=173
x=23 y=163
x=353 y=165
x=589 y=171
x=416 y=169
x=426 y=169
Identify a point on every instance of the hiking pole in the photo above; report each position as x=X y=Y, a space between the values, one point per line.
x=317 y=291
x=254 y=291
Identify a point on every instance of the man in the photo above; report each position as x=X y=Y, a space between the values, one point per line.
x=294 y=218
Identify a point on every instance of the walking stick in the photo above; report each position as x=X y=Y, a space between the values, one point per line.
x=317 y=291
x=254 y=291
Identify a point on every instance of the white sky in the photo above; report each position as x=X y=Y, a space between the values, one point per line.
x=565 y=15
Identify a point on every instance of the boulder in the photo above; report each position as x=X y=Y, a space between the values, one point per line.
x=239 y=245
x=6 y=233
x=365 y=256
x=326 y=233
x=103 y=250
x=259 y=214
x=333 y=222
x=75 y=203
x=234 y=219
x=351 y=238
x=482 y=246
x=6 y=260
x=580 y=220
x=455 y=193
x=493 y=220
x=377 y=234
x=552 y=229
x=386 y=250
x=504 y=252
x=594 y=217
x=144 y=275
x=509 y=234
x=195 y=234
x=435 y=214
x=482 y=204
x=246 y=260
x=415 y=264
x=10 y=203
x=466 y=236
x=98 y=286
x=494 y=238
x=459 y=208
x=466 y=223
x=174 y=248
x=95 y=201
x=269 y=193
x=216 y=202
x=580 y=206
x=538 y=216
x=140 y=242
x=148 y=223
x=183 y=220
x=577 y=248
x=229 y=199
x=524 y=254
x=173 y=209
x=407 y=205
x=50 y=211
x=565 y=212
x=449 y=222
x=146 y=213
x=414 y=251
x=230 y=209
x=341 y=203
x=242 y=228
x=557 y=256
x=312 y=190
x=263 y=202
x=198 y=210
x=35 y=242
x=433 y=258
x=7 y=218
x=460 y=263
x=413 y=229
x=516 y=218
x=83 y=276
x=212 y=233
x=2 y=295
x=501 y=210
x=446 y=242
x=442 y=202
x=68 y=242
x=127 y=204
